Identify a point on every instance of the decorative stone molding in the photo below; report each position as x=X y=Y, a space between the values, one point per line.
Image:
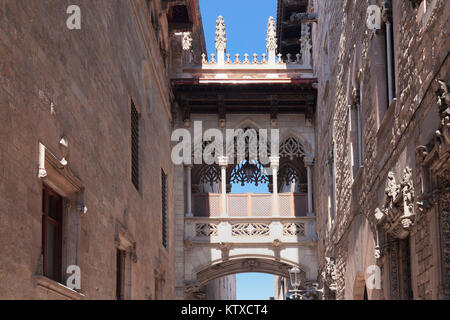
x=58 y=288
x=294 y=229
x=57 y=175
x=433 y=160
x=206 y=230
x=250 y=229
x=250 y=264
x=397 y=214
x=291 y=148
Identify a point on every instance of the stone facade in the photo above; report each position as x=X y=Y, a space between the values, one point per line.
x=86 y=122
x=389 y=208
x=66 y=95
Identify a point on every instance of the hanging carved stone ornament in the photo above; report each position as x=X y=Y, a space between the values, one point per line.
x=329 y=274
x=397 y=214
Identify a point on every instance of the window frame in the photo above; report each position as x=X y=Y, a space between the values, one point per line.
x=58 y=224
x=135 y=132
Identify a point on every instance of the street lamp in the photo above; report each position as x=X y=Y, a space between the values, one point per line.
x=294 y=274
x=296 y=282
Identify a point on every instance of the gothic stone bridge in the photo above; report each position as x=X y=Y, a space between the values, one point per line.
x=226 y=233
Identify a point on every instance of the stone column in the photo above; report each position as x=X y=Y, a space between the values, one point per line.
x=309 y=163
x=223 y=163
x=274 y=165
x=188 y=170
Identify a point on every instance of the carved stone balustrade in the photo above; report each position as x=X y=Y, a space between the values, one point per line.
x=253 y=230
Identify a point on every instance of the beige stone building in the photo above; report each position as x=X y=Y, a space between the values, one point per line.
x=94 y=99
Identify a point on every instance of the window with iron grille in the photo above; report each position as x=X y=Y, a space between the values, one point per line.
x=52 y=214
x=134 y=146
x=164 y=208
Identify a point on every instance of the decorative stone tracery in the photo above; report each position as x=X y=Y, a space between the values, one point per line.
x=250 y=229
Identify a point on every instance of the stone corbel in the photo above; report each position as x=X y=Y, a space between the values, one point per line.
x=225 y=250
x=276 y=247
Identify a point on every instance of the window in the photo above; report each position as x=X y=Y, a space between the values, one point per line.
x=390 y=56
x=134 y=146
x=164 y=208
x=331 y=189
x=120 y=274
x=52 y=212
x=356 y=132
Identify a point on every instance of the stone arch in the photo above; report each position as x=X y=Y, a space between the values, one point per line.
x=248 y=124
x=242 y=264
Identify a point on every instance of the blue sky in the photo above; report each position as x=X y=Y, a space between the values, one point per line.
x=245 y=23
x=254 y=286
x=246 y=28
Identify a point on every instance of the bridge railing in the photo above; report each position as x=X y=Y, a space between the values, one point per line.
x=250 y=205
x=255 y=229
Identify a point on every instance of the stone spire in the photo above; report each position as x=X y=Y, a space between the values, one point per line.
x=221 y=40
x=271 y=40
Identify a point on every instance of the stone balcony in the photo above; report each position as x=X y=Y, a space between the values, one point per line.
x=250 y=205
x=249 y=218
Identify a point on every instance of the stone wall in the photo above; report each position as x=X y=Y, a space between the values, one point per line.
x=79 y=84
x=221 y=289
x=346 y=56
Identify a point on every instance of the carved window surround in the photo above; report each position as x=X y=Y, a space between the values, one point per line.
x=57 y=175
x=58 y=288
